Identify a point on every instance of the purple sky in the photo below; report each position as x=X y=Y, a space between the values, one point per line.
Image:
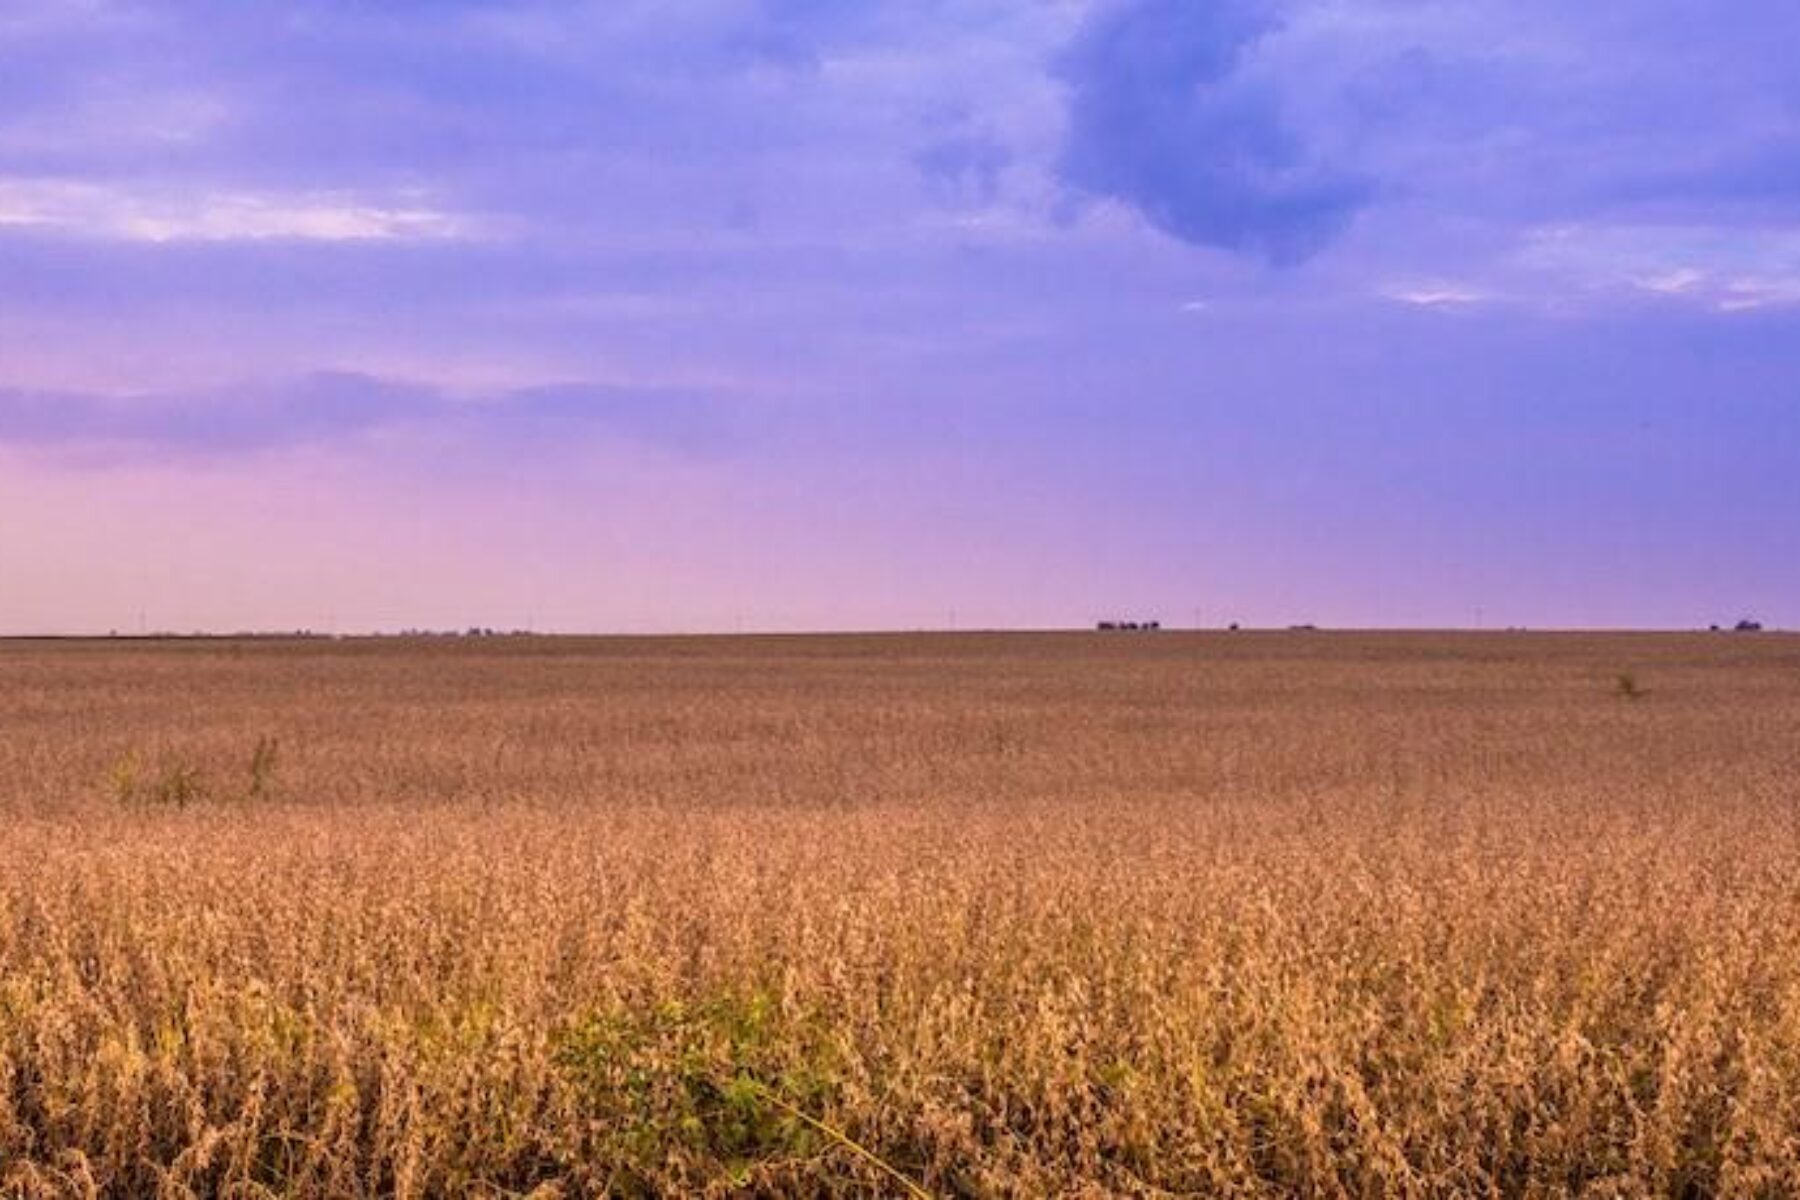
x=801 y=313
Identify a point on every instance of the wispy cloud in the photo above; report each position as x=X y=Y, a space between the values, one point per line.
x=1435 y=295
x=169 y=215
x=1723 y=268
x=336 y=408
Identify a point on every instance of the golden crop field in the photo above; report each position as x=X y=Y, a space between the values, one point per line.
x=980 y=915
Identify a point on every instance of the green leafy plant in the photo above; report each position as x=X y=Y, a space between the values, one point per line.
x=725 y=1078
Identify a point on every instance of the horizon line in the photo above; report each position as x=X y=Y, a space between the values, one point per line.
x=484 y=634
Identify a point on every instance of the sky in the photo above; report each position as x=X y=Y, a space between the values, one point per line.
x=784 y=314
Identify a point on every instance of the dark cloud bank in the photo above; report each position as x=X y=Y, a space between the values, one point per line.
x=1161 y=119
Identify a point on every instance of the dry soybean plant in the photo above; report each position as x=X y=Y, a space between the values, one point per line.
x=1067 y=915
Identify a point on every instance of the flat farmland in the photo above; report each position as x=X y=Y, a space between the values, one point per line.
x=1256 y=914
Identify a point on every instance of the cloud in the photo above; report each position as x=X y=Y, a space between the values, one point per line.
x=1757 y=181
x=1723 y=268
x=1445 y=296
x=172 y=215
x=1161 y=119
x=334 y=408
x=964 y=163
